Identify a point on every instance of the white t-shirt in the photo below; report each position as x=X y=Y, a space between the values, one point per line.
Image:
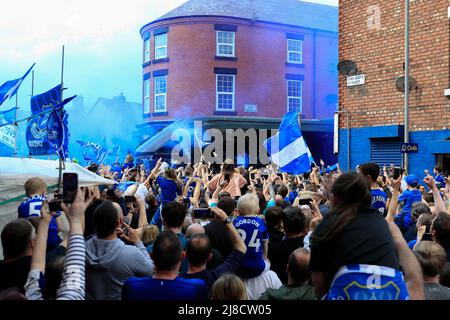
x=258 y=285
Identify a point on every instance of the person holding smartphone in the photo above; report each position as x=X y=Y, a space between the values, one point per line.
x=233 y=181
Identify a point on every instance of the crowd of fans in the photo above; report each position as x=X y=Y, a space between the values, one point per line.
x=266 y=235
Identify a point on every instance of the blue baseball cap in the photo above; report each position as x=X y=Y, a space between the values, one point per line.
x=412 y=180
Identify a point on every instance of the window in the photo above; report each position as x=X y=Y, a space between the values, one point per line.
x=295 y=48
x=225 y=43
x=225 y=92
x=161 y=46
x=147 y=50
x=160 y=94
x=294 y=95
x=147 y=96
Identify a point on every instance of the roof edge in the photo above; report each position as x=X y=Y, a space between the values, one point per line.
x=231 y=17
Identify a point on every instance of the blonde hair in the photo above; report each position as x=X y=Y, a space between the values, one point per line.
x=35 y=186
x=431 y=257
x=129 y=158
x=149 y=233
x=248 y=204
x=229 y=287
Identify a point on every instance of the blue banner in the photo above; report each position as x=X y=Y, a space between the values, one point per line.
x=93 y=152
x=37 y=127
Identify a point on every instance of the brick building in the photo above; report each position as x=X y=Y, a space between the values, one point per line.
x=371 y=33
x=241 y=59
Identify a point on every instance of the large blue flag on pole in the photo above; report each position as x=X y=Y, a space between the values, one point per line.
x=287 y=148
x=9 y=88
x=47 y=132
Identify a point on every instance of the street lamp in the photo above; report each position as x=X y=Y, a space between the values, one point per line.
x=406 y=126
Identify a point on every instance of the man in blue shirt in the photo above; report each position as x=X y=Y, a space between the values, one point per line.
x=165 y=284
x=440 y=181
x=409 y=196
x=379 y=198
x=199 y=252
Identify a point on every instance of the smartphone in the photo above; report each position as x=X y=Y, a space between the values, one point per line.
x=397 y=172
x=226 y=177
x=203 y=213
x=186 y=201
x=130 y=199
x=303 y=202
x=70 y=186
x=55 y=205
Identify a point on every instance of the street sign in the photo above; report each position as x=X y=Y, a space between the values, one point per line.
x=357 y=80
x=250 y=108
x=409 y=148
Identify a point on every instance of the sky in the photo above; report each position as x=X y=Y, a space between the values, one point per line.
x=102 y=44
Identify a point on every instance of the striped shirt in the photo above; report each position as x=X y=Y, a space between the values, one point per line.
x=73 y=280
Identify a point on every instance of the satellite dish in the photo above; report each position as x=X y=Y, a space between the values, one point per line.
x=347 y=67
x=400 y=84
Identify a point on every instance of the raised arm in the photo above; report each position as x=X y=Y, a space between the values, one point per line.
x=438 y=201
x=235 y=238
x=155 y=170
x=410 y=265
x=392 y=210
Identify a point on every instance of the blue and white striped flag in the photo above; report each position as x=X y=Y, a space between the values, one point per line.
x=287 y=148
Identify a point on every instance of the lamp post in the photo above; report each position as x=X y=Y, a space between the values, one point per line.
x=406 y=126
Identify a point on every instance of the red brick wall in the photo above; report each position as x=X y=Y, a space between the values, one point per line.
x=261 y=62
x=380 y=55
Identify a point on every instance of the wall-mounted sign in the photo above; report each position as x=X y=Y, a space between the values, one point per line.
x=409 y=148
x=250 y=108
x=357 y=80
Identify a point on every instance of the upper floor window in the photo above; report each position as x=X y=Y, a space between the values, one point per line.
x=147 y=96
x=295 y=51
x=225 y=92
x=225 y=43
x=294 y=95
x=161 y=46
x=147 y=50
x=160 y=94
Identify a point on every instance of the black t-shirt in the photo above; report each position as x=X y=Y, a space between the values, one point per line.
x=411 y=233
x=365 y=240
x=275 y=235
x=279 y=253
x=219 y=237
x=14 y=273
x=230 y=265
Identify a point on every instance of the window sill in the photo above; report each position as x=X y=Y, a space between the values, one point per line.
x=225 y=113
x=225 y=58
x=295 y=65
x=146 y=64
x=160 y=114
x=160 y=60
x=147 y=115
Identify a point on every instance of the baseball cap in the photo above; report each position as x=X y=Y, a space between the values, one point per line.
x=412 y=180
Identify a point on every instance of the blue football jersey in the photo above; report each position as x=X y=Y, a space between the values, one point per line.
x=253 y=232
x=379 y=200
x=31 y=207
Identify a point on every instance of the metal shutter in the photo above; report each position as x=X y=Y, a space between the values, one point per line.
x=386 y=151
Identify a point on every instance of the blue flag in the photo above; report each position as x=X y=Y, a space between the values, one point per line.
x=287 y=148
x=93 y=152
x=7 y=132
x=47 y=132
x=9 y=88
x=8 y=116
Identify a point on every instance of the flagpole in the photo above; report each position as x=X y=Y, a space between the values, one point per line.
x=16 y=125
x=60 y=167
x=32 y=83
